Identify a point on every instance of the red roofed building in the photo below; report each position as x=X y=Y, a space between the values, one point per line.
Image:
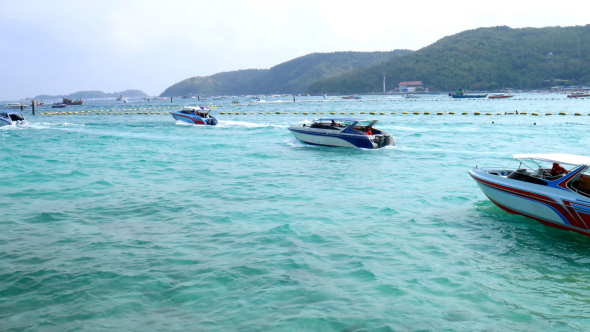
x=410 y=86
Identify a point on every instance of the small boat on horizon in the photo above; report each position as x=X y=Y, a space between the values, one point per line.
x=16 y=105
x=195 y=115
x=579 y=95
x=553 y=195
x=500 y=96
x=461 y=94
x=343 y=132
x=58 y=105
x=12 y=118
x=68 y=101
x=351 y=97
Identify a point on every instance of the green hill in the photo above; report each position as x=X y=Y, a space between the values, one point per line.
x=486 y=58
x=227 y=83
x=96 y=94
x=293 y=76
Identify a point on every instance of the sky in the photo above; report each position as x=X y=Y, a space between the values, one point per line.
x=62 y=46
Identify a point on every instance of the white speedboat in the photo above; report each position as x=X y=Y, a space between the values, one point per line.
x=343 y=132
x=16 y=105
x=500 y=96
x=541 y=189
x=11 y=118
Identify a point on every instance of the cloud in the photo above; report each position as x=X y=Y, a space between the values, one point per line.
x=66 y=46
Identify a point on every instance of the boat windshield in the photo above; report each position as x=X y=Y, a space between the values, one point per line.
x=541 y=170
x=581 y=183
x=331 y=124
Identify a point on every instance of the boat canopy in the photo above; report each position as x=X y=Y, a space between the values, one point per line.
x=200 y=109
x=11 y=112
x=560 y=158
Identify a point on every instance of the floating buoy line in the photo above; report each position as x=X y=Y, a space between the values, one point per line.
x=163 y=110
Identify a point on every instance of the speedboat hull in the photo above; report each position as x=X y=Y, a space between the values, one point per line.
x=194 y=119
x=469 y=96
x=552 y=204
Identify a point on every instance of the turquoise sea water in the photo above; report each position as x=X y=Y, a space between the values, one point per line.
x=135 y=223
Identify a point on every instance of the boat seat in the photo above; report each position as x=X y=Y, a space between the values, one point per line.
x=584 y=183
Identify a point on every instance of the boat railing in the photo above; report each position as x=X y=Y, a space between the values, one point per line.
x=501 y=171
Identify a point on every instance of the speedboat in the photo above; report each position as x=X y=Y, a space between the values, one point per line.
x=11 y=118
x=15 y=105
x=579 y=95
x=343 y=132
x=411 y=96
x=555 y=196
x=58 y=105
x=195 y=115
x=500 y=96
x=351 y=97
x=461 y=94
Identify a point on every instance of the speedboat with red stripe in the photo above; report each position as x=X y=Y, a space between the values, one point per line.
x=500 y=96
x=542 y=189
x=579 y=95
x=195 y=115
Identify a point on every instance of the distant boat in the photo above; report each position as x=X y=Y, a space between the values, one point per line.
x=15 y=105
x=500 y=96
x=72 y=102
x=58 y=105
x=411 y=96
x=461 y=94
x=578 y=95
x=39 y=102
x=119 y=98
x=351 y=97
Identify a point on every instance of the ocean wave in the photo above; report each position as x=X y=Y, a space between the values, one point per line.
x=246 y=124
x=41 y=125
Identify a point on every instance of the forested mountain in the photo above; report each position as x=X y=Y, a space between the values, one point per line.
x=96 y=94
x=486 y=58
x=227 y=83
x=293 y=76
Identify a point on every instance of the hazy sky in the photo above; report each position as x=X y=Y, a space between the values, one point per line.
x=59 y=47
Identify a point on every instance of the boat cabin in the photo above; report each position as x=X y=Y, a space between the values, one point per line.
x=349 y=125
x=198 y=111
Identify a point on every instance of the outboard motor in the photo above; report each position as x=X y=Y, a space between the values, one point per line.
x=379 y=141
x=387 y=140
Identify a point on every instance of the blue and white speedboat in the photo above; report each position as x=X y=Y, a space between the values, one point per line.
x=58 y=105
x=343 y=132
x=11 y=118
x=195 y=115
